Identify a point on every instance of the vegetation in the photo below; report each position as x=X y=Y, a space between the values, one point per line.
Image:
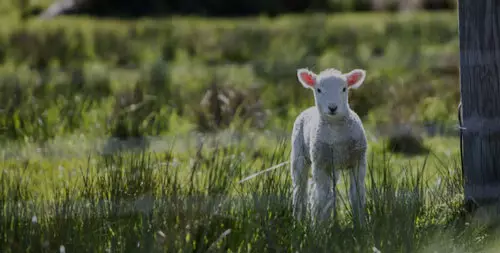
x=205 y=104
x=165 y=68
x=164 y=202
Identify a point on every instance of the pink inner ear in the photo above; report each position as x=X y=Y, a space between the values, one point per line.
x=353 y=78
x=307 y=78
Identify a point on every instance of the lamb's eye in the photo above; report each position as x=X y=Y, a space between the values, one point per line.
x=344 y=89
x=319 y=90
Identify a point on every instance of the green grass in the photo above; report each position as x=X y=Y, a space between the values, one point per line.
x=182 y=196
x=167 y=66
x=70 y=85
x=160 y=201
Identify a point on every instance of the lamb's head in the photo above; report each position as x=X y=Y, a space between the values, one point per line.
x=330 y=89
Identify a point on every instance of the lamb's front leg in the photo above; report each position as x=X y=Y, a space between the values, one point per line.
x=323 y=193
x=357 y=191
x=299 y=170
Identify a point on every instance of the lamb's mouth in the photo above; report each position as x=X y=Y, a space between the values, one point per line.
x=332 y=113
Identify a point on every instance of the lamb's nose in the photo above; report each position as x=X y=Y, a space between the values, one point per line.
x=332 y=108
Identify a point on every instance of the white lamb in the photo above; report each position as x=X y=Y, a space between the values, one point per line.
x=329 y=137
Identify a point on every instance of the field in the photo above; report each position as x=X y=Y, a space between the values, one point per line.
x=133 y=136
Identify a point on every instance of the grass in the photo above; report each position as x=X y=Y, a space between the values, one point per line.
x=164 y=68
x=209 y=103
x=159 y=201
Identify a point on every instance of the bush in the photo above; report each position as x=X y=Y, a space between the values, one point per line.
x=407 y=143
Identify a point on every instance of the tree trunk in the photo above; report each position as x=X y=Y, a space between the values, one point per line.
x=479 y=33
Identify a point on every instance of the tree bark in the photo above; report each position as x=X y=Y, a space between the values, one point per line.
x=479 y=34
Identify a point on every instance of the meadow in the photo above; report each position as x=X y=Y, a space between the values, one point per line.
x=133 y=136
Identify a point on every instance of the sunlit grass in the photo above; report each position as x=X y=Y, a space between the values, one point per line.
x=160 y=201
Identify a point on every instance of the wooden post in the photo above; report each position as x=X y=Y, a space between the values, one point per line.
x=479 y=33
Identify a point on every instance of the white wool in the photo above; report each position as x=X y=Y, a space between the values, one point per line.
x=328 y=142
x=330 y=71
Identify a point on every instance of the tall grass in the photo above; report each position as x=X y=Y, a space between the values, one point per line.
x=160 y=202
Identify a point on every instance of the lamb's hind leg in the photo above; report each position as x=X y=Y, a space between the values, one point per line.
x=299 y=170
x=357 y=191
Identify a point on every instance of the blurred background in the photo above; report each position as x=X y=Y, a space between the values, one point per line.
x=158 y=8
x=135 y=68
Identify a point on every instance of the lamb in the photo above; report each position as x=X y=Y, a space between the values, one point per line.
x=329 y=137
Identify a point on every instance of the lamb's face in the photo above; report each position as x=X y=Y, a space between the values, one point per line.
x=330 y=94
x=331 y=88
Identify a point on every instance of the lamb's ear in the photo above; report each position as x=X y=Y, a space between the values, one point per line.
x=355 y=78
x=306 y=78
